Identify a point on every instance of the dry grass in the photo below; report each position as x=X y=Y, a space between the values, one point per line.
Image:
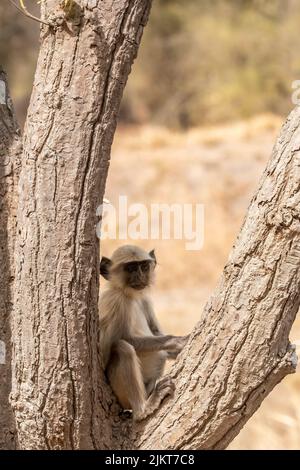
x=219 y=167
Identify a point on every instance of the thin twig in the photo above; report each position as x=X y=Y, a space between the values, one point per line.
x=25 y=12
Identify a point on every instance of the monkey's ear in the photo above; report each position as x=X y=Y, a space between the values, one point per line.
x=105 y=264
x=152 y=254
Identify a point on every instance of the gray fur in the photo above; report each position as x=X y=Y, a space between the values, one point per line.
x=133 y=347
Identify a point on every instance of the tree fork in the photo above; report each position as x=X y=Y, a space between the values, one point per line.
x=237 y=352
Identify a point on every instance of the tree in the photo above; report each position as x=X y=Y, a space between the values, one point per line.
x=237 y=352
x=10 y=148
x=58 y=395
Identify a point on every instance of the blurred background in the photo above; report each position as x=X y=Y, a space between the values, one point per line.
x=202 y=108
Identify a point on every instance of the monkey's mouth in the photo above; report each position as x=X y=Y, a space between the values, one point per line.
x=138 y=286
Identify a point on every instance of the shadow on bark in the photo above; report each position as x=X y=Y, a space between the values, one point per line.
x=9 y=159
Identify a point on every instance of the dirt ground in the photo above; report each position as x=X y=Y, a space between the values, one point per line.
x=219 y=167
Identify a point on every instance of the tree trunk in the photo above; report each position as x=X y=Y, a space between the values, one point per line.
x=59 y=394
x=9 y=166
x=240 y=348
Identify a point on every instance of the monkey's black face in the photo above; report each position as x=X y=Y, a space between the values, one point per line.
x=138 y=274
x=130 y=267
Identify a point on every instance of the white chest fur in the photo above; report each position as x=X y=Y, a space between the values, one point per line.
x=139 y=324
x=152 y=363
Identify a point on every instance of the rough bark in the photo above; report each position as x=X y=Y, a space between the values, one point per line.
x=9 y=166
x=59 y=395
x=240 y=348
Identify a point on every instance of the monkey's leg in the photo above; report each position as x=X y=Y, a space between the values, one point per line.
x=163 y=389
x=156 y=372
x=125 y=377
x=150 y=387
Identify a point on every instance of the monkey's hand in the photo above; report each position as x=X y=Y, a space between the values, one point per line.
x=175 y=345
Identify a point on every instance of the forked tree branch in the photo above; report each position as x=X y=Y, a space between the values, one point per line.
x=238 y=351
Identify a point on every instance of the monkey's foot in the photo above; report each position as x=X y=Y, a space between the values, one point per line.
x=164 y=388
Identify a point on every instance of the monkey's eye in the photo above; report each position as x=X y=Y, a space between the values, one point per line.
x=145 y=265
x=131 y=267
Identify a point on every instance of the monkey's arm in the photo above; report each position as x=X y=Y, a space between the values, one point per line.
x=156 y=329
x=151 y=318
x=145 y=344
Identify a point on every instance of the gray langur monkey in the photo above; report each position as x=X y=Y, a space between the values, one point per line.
x=133 y=347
